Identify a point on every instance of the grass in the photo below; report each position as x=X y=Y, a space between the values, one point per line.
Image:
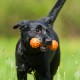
x=69 y=68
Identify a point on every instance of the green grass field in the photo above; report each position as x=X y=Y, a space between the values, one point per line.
x=69 y=68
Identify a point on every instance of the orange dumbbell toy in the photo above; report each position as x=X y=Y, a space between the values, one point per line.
x=35 y=43
x=54 y=45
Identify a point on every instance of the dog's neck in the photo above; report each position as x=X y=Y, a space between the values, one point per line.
x=24 y=45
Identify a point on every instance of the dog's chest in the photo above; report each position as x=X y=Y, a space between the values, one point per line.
x=39 y=58
x=34 y=57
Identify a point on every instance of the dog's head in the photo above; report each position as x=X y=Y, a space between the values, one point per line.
x=40 y=29
x=35 y=29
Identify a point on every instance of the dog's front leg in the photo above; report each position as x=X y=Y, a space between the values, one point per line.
x=21 y=66
x=21 y=75
x=43 y=72
x=45 y=76
x=22 y=69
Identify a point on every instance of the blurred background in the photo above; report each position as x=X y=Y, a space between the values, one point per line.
x=67 y=26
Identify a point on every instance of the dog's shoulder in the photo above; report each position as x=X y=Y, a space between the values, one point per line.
x=18 y=45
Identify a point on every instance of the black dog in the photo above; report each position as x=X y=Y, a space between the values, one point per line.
x=43 y=61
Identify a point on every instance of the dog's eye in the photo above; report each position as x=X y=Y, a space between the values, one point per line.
x=39 y=27
x=37 y=30
x=47 y=30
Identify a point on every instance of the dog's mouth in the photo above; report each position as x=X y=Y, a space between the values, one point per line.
x=37 y=43
x=43 y=48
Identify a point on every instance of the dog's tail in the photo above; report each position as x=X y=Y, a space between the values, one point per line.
x=56 y=9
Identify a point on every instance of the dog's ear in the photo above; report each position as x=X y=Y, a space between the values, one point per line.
x=20 y=24
x=55 y=10
x=16 y=26
x=49 y=21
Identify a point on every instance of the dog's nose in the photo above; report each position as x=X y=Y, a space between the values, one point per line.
x=48 y=41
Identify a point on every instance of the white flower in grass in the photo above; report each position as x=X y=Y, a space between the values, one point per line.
x=76 y=62
x=12 y=65
x=77 y=74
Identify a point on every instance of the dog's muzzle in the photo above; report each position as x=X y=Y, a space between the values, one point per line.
x=48 y=44
x=46 y=41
